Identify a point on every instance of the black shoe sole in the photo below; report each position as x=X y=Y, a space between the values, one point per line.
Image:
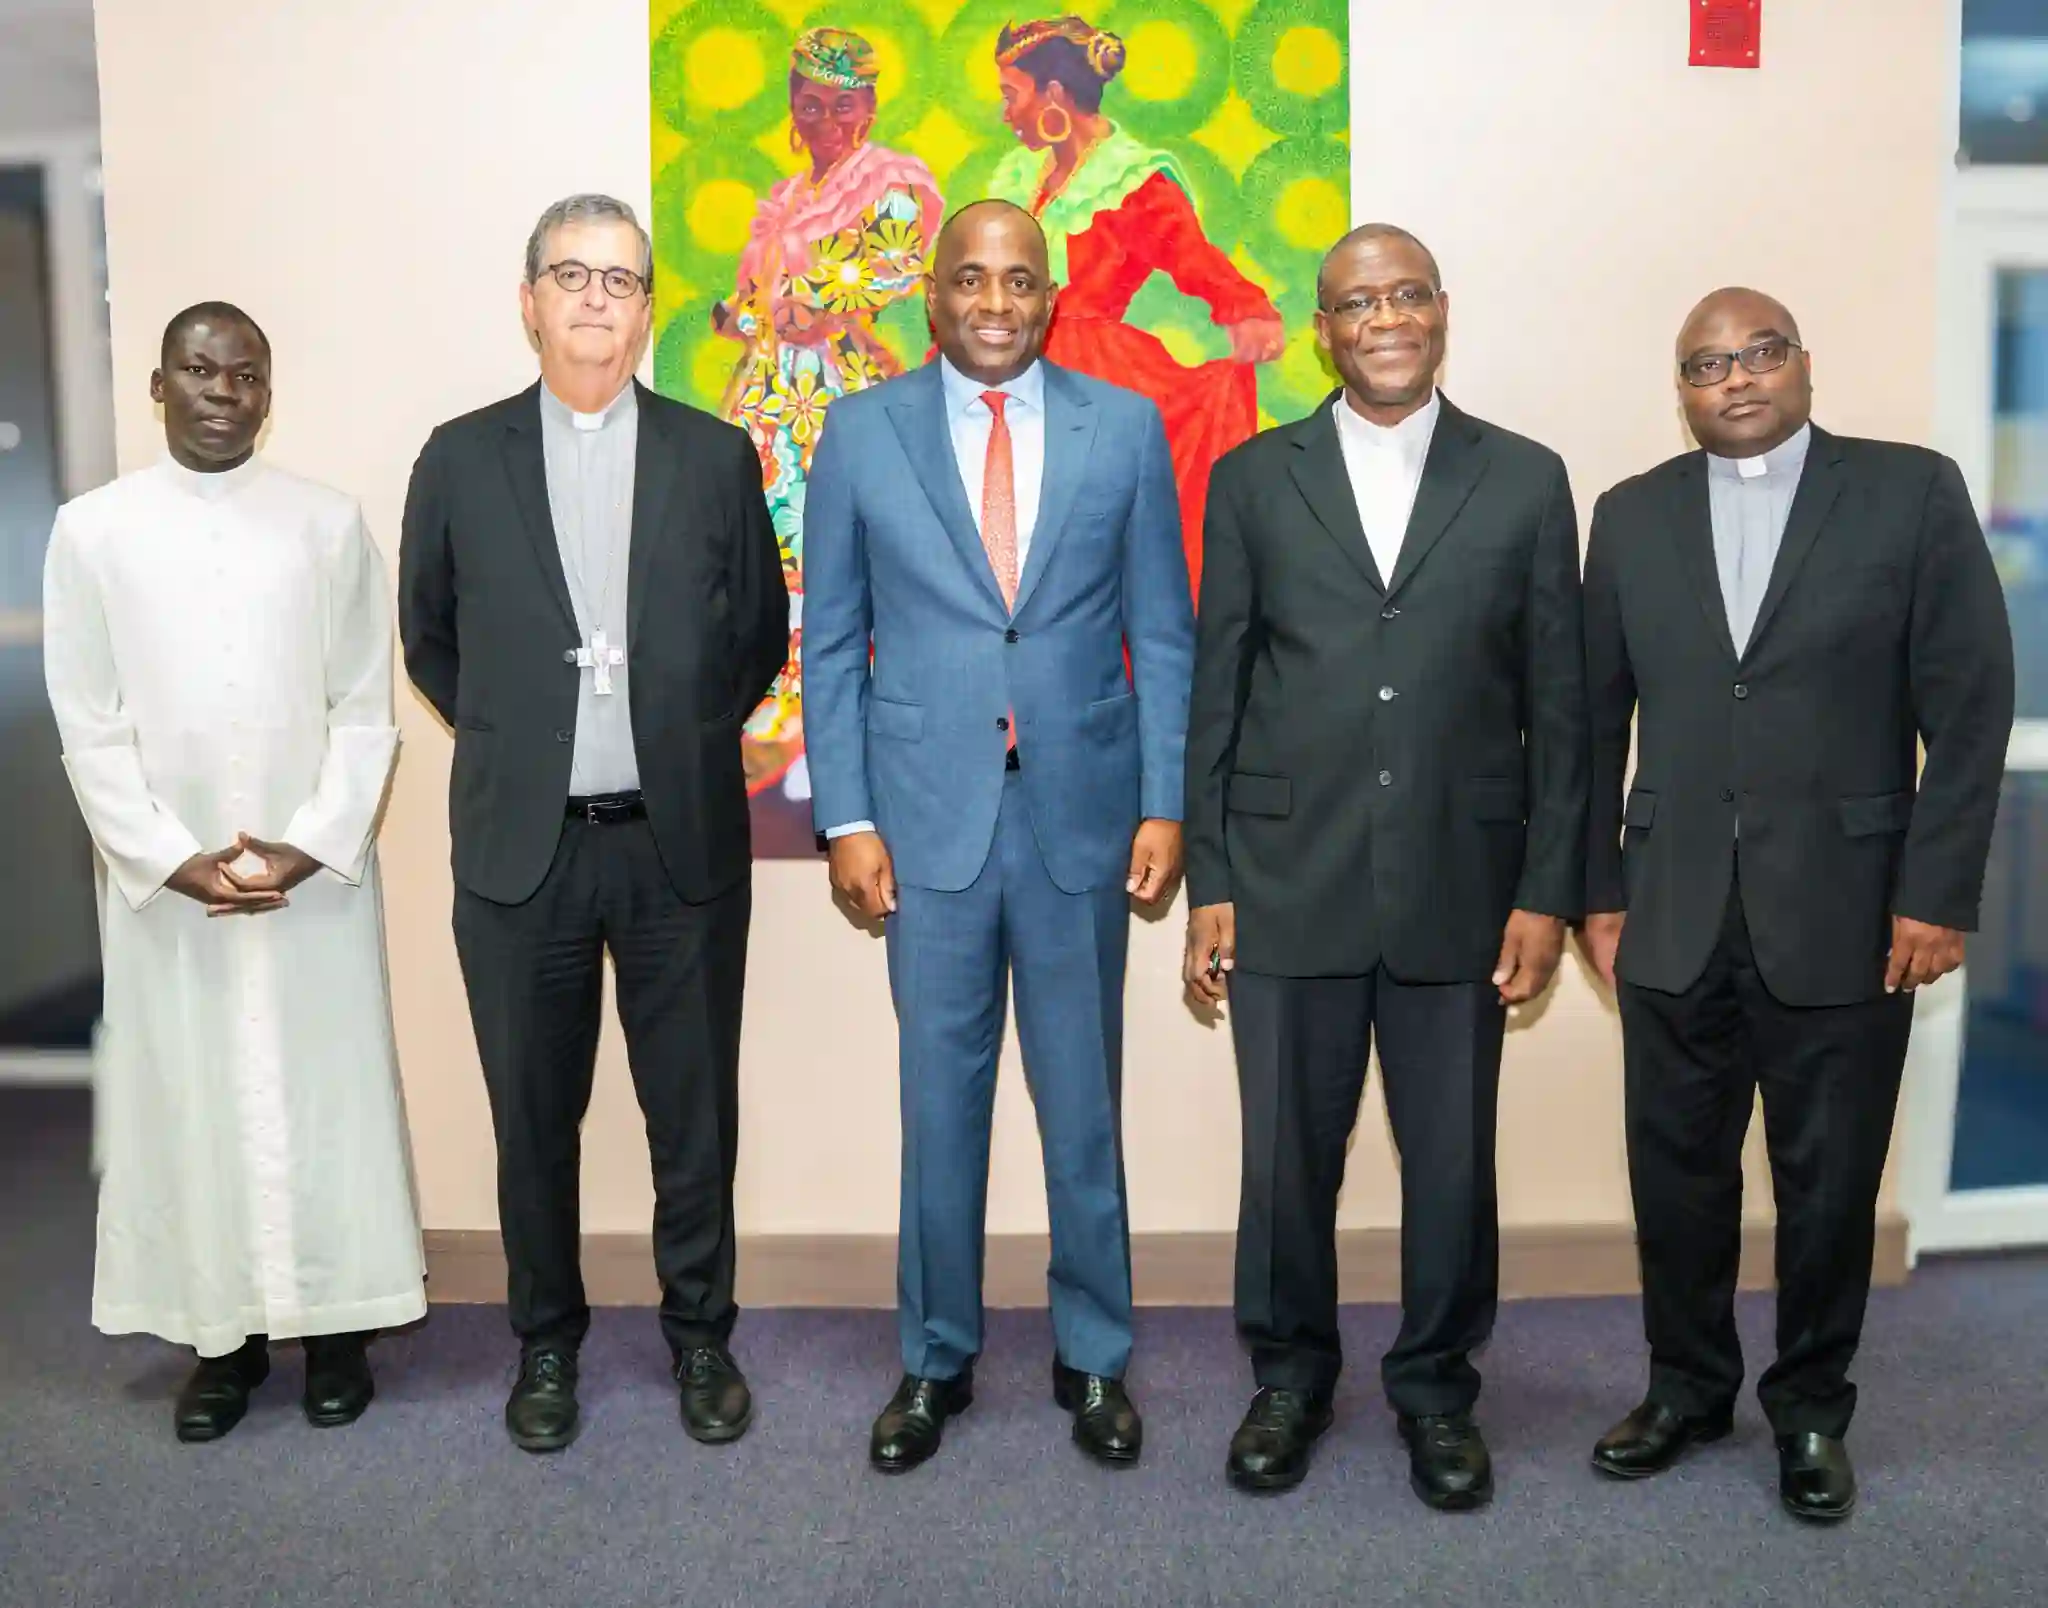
x=722 y=1434
x=543 y=1443
x=1451 y=1501
x=1120 y=1458
x=1650 y=1471
x=1807 y=1515
x=335 y=1420
x=201 y=1437
x=1264 y=1484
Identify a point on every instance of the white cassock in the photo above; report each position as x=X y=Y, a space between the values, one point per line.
x=218 y=649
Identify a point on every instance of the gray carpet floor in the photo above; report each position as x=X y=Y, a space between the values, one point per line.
x=424 y=1501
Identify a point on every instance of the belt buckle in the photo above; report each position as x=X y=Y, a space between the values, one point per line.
x=602 y=812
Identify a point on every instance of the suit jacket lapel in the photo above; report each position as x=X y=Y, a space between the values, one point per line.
x=1455 y=463
x=917 y=409
x=1070 y=420
x=654 y=477
x=1695 y=536
x=526 y=463
x=1820 y=482
x=1318 y=468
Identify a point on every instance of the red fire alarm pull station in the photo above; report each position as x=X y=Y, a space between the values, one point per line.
x=1726 y=33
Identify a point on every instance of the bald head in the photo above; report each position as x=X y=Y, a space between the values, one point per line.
x=1763 y=313
x=210 y=315
x=966 y=220
x=1367 y=234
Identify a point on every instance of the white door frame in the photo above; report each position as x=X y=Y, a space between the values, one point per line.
x=2000 y=220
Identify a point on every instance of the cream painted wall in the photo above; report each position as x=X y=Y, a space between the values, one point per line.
x=362 y=178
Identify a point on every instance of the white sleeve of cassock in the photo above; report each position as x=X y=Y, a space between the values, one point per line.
x=139 y=838
x=337 y=824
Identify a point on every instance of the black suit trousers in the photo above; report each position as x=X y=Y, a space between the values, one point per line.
x=1302 y=1046
x=1829 y=1076
x=535 y=975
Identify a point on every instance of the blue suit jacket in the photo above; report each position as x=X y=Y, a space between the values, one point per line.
x=892 y=558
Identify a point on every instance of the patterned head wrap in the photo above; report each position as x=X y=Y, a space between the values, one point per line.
x=1104 y=50
x=835 y=58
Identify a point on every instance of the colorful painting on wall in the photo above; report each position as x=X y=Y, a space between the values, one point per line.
x=1188 y=159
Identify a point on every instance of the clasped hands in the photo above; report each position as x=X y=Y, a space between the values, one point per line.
x=1530 y=948
x=864 y=877
x=211 y=879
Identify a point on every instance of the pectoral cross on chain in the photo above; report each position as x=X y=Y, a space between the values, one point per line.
x=600 y=656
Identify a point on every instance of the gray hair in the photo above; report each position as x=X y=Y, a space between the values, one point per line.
x=585 y=209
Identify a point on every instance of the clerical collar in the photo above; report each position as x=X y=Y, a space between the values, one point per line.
x=211 y=485
x=621 y=406
x=1411 y=435
x=1786 y=458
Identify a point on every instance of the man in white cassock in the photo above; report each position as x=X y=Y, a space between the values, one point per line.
x=218 y=647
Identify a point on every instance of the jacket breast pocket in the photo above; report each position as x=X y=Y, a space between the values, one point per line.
x=902 y=721
x=1875 y=814
x=1640 y=811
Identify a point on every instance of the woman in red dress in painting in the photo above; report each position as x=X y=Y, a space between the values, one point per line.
x=1115 y=210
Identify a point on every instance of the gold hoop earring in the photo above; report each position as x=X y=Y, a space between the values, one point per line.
x=1066 y=126
x=796 y=139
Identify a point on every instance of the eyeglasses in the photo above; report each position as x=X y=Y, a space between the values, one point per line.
x=1406 y=300
x=1711 y=368
x=619 y=283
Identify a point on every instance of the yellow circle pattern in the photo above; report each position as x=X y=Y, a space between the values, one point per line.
x=723 y=69
x=1160 y=61
x=1308 y=62
x=1311 y=213
x=721 y=215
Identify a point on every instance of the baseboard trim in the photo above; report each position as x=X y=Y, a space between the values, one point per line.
x=70 y=1069
x=859 y=1270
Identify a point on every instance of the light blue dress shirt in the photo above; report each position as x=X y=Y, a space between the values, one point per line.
x=971 y=421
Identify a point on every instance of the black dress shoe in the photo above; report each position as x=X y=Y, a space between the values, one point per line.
x=1652 y=1438
x=1106 y=1426
x=1270 y=1450
x=217 y=1395
x=717 y=1405
x=1447 y=1461
x=1815 y=1479
x=541 y=1411
x=913 y=1423
x=338 y=1382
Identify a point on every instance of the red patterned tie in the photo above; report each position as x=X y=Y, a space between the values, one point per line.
x=999 y=512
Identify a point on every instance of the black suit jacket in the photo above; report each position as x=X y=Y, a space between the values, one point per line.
x=1380 y=769
x=1883 y=623
x=485 y=615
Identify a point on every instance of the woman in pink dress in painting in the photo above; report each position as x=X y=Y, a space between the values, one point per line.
x=829 y=249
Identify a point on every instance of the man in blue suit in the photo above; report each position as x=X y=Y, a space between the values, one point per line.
x=995 y=786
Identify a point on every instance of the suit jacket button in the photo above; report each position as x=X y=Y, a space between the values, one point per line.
x=1009 y=636
x=1386 y=778
x=1742 y=689
x=1002 y=722
x=564 y=736
x=1727 y=795
x=1386 y=695
x=1389 y=612
x=568 y=656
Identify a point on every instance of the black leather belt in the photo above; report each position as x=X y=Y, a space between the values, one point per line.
x=607 y=809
